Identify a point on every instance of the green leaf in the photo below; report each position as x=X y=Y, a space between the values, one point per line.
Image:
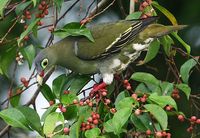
x=58 y=4
x=167 y=41
x=51 y=123
x=185 y=88
x=72 y=112
x=47 y=93
x=121 y=96
x=21 y=7
x=14 y=101
x=162 y=101
x=68 y=98
x=48 y=111
x=135 y=15
x=58 y=85
x=126 y=102
x=34 y=2
x=28 y=30
x=74 y=29
x=186 y=69
x=75 y=128
x=3 y=4
x=92 y=133
x=61 y=136
x=142 y=122
x=145 y=78
x=166 y=88
x=32 y=118
x=15 y=118
x=79 y=82
x=159 y=114
x=187 y=47
x=142 y=88
x=152 y=51
x=29 y=54
x=168 y=14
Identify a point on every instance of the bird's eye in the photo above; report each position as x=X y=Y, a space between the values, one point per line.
x=44 y=63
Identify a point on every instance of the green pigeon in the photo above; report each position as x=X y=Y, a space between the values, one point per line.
x=116 y=45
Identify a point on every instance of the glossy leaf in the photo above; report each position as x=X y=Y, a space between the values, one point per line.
x=135 y=15
x=145 y=78
x=74 y=29
x=187 y=47
x=152 y=51
x=51 y=122
x=126 y=102
x=14 y=101
x=185 y=69
x=75 y=128
x=68 y=98
x=168 y=14
x=27 y=31
x=15 y=118
x=47 y=93
x=48 y=111
x=167 y=41
x=32 y=118
x=159 y=114
x=34 y=2
x=29 y=53
x=185 y=88
x=92 y=133
x=3 y=4
x=20 y=7
x=121 y=96
x=162 y=101
x=166 y=88
x=72 y=112
x=58 y=4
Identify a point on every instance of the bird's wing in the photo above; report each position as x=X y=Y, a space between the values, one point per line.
x=109 y=38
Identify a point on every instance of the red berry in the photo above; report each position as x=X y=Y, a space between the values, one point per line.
x=42 y=15
x=125 y=81
x=27 y=13
x=148 y=132
x=46 y=12
x=63 y=109
x=134 y=96
x=37 y=15
x=164 y=134
x=39 y=23
x=75 y=101
x=168 y=135
x=138 y=112
x=51 y=103
x=90 y=104
x=104 y=93
x=87 y=101
x=83 y=129
x=113 y=110
x=193 y=118
x=190 y=129
x=40 y=7
x=198 y=121
x=145 y=4
x=107 y=101
x=26 y=83
x=23 y=79
x=143 y=100
x=66 y=130
x=181 y=118
x=28 y=16
x=83 y=124
x=168 y=108
x=66 y=92
x=26 y=38
x=87 y=127
x=81 y=103
x=95 y=122
x=159 y=134
x=90 y=119
x=97 y=116
x=94 y=116
x=43 y=3
x=128 y=87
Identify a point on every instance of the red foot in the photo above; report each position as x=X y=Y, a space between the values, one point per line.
x=98 y=87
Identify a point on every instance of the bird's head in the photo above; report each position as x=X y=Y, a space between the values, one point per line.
x=44 y=61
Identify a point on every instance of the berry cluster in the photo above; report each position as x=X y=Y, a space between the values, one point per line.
x=175 y=94
x=141 y=99
x=24 y=82
x=92 y=121
x=127 y=85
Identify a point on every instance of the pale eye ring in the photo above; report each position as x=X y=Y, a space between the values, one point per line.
x=44 y=63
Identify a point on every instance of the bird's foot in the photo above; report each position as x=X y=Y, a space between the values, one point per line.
x=98 y=87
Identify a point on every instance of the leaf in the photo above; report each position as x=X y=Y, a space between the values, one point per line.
x=58 y=85
x=60 y=136
x=48 y=111
x=3 y=4
x=166 y=88
x=185 y=88
x=168 y=14
x=47 y=93
x=135 y=15
x=186 y=69
x=187 y=47
x=75 y=128
x=72 y=112
x=159 y=114
x=51 y=122
x=58 y=4
x=145 y=78
x=28 y=30
x=32 y=118
x=15 y=118
x=92 y=133
x=34 y=2
x=68 y=98
x=142 y=88
x=121 y=96
x=152 y=51
x=74 y=29
x=21 y=7
x=162 y=101
x=14 y=101
x=166 y=41
x=29 y=54
x=126 y=102
x=78 y=83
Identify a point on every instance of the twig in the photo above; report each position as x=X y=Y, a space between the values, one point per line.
x=4 y=130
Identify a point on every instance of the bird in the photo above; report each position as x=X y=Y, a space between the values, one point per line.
x=116 y=45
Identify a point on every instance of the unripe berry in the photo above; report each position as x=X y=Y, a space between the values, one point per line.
x=66 y=130
x=145 y=4
x=87 y=101
x=75 y=101
x=25 y=27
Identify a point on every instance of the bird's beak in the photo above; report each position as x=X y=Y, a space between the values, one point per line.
x=40 y=77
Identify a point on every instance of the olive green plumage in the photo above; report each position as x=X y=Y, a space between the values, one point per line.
x=116 y=45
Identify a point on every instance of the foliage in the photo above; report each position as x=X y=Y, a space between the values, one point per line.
x=140 y=105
